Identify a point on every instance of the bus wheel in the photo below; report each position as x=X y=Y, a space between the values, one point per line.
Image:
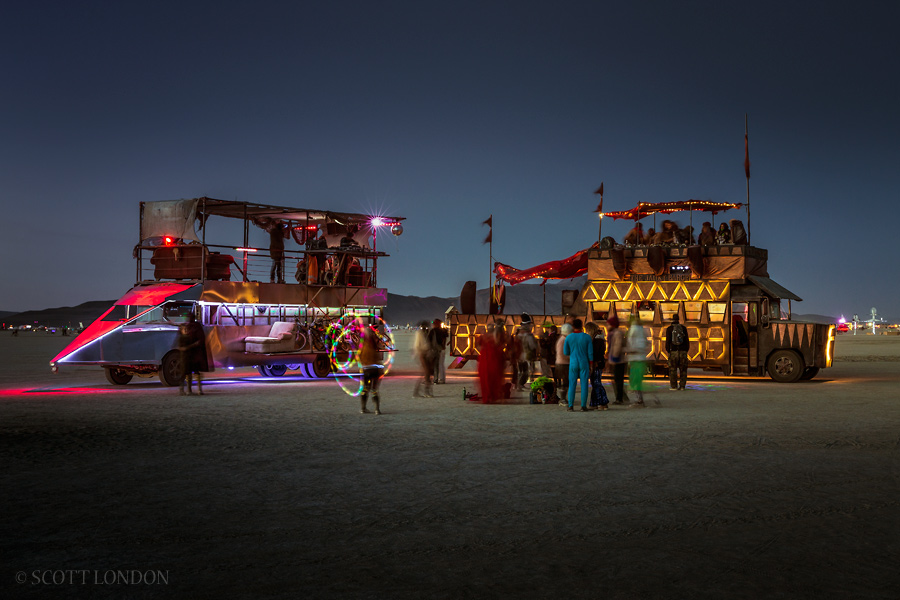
x=785 y=366
x=321 y=366
x=264 y=370
x=809 y=373
x=170 y=369
x=117 y=376
x=277 y=370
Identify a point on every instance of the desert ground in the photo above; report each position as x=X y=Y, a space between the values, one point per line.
x=279 y=488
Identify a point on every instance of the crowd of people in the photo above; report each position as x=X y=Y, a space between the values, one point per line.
x=672 y=234
x=552 y=366
x=572 y=360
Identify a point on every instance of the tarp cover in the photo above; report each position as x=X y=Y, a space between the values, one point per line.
x=644 y=209
x=169 y=217
x=567 y=268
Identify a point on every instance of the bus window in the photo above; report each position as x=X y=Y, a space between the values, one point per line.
x=669 y=310
x=716 y=311
x=623 y=311
x=692 y=311
x=177 y=312
x=646 y=310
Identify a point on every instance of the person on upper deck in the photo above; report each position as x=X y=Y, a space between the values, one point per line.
x=648 y=239
x=348 y=240
x=723 y=235
x=667 y=234
x=707 y=235
x=635 y=237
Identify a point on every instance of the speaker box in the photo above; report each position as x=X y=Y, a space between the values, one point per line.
x=467 y=298
x=656 y=256
x=695 y=259
x=618 y=260
x=738 y=233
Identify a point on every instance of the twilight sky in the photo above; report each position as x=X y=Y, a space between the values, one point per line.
x=446 y=113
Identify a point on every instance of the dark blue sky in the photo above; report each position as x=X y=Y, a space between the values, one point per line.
x=447 y=113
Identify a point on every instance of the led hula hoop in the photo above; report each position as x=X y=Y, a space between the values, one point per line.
x=345 y=339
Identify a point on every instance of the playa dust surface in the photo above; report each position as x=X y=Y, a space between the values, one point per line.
x=279 y=488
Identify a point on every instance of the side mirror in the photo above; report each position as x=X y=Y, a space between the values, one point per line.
x=764 y=319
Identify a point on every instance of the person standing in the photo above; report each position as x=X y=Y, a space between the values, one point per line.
x=562 y=361
x=616 y=358
x=490 y=375
x=424 y=354
x=438 y=336
x=527 y=353
x=677 y=346
x=192 y=344
x=372 y=365
x=599 y=400
x=636 y=355
x=580 y=350
x=548 y=353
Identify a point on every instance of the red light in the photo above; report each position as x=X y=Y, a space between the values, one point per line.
x=168 y=240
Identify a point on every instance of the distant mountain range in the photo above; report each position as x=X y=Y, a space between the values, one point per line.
x=400 y=310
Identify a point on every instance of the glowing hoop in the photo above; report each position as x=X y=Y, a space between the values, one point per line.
x=345 y=337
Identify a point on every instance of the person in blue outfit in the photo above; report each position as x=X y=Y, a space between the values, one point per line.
x=580 y=350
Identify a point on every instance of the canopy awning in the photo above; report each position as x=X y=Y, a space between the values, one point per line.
x=773 y=289
x=644 y=209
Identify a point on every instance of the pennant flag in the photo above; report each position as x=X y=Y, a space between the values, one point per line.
x=599 y=208
x=490 y=221
x=487 y=240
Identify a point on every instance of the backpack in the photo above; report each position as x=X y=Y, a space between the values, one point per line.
x=678 y=335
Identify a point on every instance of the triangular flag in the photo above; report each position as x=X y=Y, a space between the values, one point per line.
x=490 y=221
x=487 y=240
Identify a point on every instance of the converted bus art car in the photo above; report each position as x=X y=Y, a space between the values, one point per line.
x=248 y=320
x=723 y=294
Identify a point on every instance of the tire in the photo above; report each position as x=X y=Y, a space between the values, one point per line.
x=321 y=366
x=117 y=376
x=785 y=366
x=170 y=369
x=263 y=370
x=277 y=370
x=809 y=373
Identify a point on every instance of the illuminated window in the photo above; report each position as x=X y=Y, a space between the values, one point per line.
x=669 y=310
x=717 y=311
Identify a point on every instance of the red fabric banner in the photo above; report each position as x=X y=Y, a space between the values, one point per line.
x=567 y=268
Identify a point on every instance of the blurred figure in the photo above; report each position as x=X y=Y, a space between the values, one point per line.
x=667 y=234
x=372 y=365
x=636 y=354
x=635 y=237
x=616 y=358
x=648 y=239
x=562 y=362
x=528 y=350
x=437 y=337
x=599 y=399
x=192 y=345
x=707 y=235
x=424 y=354
x=490 y=366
